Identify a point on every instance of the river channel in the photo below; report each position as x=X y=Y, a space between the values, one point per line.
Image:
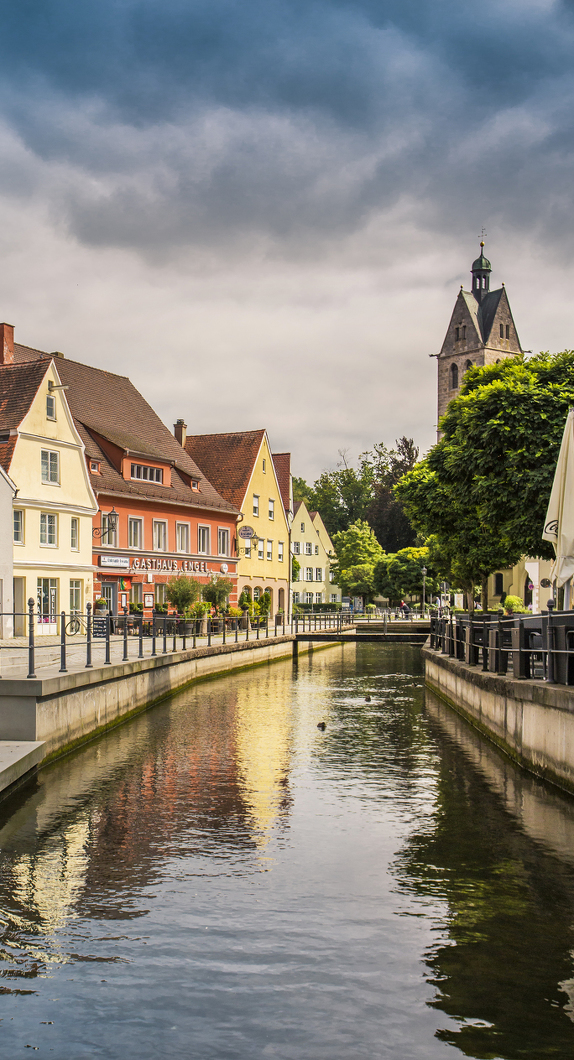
x=220 y=878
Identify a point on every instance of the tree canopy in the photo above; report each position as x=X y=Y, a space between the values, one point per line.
x=400 y=574
x=483 y=489
x=357 y=552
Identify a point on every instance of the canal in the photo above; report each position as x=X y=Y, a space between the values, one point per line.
x=220 y=878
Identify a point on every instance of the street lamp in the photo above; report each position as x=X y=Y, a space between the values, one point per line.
x=424 y=574
x=109 y=527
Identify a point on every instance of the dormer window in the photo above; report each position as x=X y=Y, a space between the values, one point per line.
x=148 y=474
x=195 y=485
x=95 y=467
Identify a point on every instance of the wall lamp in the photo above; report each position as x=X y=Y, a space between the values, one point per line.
x=110 y=525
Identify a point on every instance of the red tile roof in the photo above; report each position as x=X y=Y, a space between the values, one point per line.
x=282 y=462
x=109 y=405
x=227 y=460
x=18 y=387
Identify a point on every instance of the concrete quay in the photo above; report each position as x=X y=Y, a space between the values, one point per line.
x=531 y=721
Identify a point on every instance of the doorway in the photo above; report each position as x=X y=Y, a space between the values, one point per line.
x=110 y=595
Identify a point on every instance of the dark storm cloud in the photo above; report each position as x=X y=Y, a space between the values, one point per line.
x=157 y=124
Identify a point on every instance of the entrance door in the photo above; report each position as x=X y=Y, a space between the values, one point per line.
x=110 y=595
x=47 y=594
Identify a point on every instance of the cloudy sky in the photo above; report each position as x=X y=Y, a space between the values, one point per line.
x=262 y=210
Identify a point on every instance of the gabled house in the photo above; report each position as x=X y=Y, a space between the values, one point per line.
x=242 y=468
x=43 y=453
x=314 y=551
x=157 y=515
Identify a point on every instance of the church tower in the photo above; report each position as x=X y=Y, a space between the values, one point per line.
x=481 y=331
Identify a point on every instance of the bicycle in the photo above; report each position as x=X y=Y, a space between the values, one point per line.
x=75 y=625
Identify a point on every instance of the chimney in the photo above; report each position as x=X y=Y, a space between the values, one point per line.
x=179 y=430
x=6 y=344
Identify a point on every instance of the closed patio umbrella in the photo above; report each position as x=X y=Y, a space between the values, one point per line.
x=559 y=522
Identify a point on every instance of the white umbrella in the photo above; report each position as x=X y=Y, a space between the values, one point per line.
x=559 y=522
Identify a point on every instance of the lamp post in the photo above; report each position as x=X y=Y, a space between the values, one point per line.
x=424 y=574
x=109 y=527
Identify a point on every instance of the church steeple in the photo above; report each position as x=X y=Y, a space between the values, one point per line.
x=481 y=270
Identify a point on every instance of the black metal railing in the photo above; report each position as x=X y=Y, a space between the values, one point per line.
x=82 y=640
x=538 y=647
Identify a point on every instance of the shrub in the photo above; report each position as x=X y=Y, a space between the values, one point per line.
x=182 y=592
x=514 y=604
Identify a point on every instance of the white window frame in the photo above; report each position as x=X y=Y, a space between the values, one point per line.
x=334 y=598
x=75 y=590
x=203 y=530
x=271 y=509
x=94 y=467
x=52 y=464
x=308 y=574
x=295 y=598
x=308 y=598
x=260 y=548
x=302 y=528
x=155 y=535
x=318 y=574
x=186 y=530
x=47 y=520
x=308 y=548
x=222 y=541
x=20 y=512
x=51 y=398
x=296 y=548
x=256 y=499
x=135 y=520
x=318 y=598
x=269 y=552
x=74 y=522
x=316 y=550
x=280 y=551
x=109 y=537
x=143 y=473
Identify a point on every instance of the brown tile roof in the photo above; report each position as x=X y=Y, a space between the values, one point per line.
x=282 y=462
x=109 y=405
x=18 y=387
x=227 y=460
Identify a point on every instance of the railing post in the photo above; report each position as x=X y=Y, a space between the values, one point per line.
x=125 y=655
x=175 y=633
x=236 y=620
x=63 y=669
x=258 y=628
x=224 y=629
x=195 y=621
x=107 y=660
x=140 y=637
x=209 y=632
x=550 y=644
x=31 y=652
x=484 y=648
x=153 y=636
x=89 y=637
x=164 y=650
x=267 y=627
x=184 y=636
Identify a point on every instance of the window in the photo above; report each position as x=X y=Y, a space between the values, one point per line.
x=182 y=537
x=318 y=598
x=333 y=598
x=308 y=574
x=453 y=376
x=223 y=542
x=255 y=504
x=50 y=466
x=74 y=533
x=160 y=591
x=498 y=584
x=477 y=282
x=195 y=485
x=247 y=545
x=47 y=593
x=296 y=548
x=260 y=548
x=159 y=536
x=95 y=467
x=109 y=530
x=203 y=540
x=269 y=550
x=331 y=576
x=464 y=331
x=50 y=407
x=308 y=598
x=148 y=474
x=295 y=598
x=264 y=466
x=318 y=574
x=316 y=550
x=308 y=548
x=75 y=596
x=484 y=282
x=502 y=331
x=135 y=533
x=256 y=593
x=19 y=528
x=456 y=334
x=508 y=331
x=136 y=593
x=302 y=528
x=48 y=529
x=468 y=365
x=271 y=509
x=280 y=551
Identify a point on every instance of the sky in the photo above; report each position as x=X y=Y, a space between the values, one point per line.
x=262 y=212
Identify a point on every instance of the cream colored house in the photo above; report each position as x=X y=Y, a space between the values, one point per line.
x=243 y=469
x=313 y=549
x=53 y=510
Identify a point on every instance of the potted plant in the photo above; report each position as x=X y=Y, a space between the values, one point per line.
x=100 y=606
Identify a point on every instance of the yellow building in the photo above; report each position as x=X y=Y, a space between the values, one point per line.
x=313 y=549
x=43 y=453
x=243 y=470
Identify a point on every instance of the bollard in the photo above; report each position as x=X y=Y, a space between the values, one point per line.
x=140 y=638
x=89 y=637
x=107 y=660
x=125 y=655
x=63 y=669
x=31 y=652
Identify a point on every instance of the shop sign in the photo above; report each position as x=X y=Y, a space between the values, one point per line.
x=198 y=566
x=246 y=532
x=123 y=562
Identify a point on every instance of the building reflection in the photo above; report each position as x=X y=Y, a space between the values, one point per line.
x=499 y=851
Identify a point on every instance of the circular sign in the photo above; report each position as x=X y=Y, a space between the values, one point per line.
x=545 y=583
x=246 y=532
x=224 y=568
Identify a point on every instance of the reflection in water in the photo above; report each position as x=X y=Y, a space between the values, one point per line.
x=218 y=878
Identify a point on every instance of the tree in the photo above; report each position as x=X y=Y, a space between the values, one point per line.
x=400 y=574
x=301 y=491
x=295 y=569
x=182 y=592
x=483 y=489
x=341 y=496
x=217 y=591
x=357 y=551
x=385 y=513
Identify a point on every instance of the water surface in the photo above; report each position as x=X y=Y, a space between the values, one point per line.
x=221 y=879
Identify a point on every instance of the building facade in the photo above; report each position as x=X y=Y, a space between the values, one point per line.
x=481 y=331
x=313 y=549
x=242 y=468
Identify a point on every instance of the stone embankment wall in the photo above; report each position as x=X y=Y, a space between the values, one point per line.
x=531 y=721
x=64 y=711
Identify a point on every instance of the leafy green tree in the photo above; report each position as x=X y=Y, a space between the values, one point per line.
x=295 y=569
x=182 y=592
x=341 y=496
x=385 y=513
x=301 y=490
x=400 y=574
x=357 y=551
x=483 y=489
x=217 y=591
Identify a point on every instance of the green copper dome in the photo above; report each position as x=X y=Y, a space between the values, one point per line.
x=481 y=262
